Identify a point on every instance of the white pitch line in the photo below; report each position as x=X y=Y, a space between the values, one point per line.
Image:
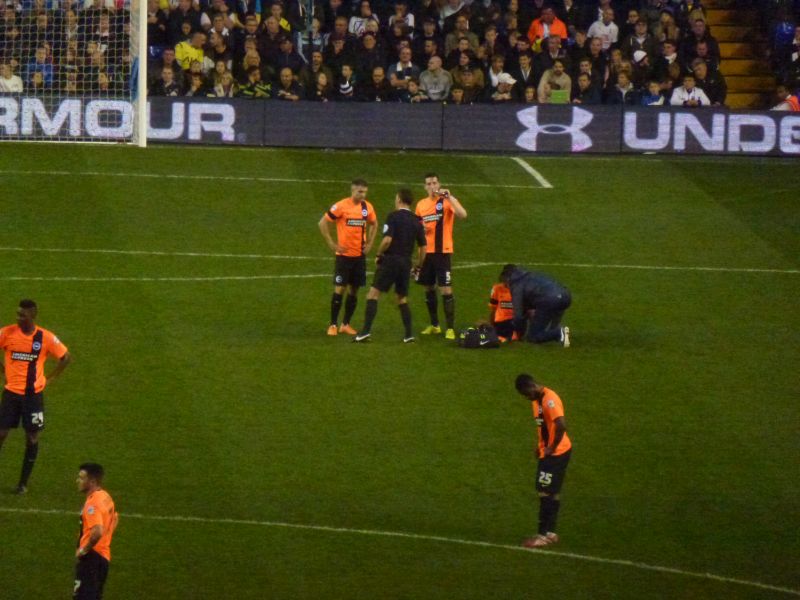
x=476 y=265
x=431 y=538
x=177 y=279
x=533 y=173
x=247 y=178
x=163 y=253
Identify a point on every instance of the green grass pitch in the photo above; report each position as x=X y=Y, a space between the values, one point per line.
x=207 y=387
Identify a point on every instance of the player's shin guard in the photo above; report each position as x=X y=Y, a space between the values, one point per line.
x=369 y=315
x=31 y=452
x=432 y=302
x=405 y=315
x=349 y=308
x=449 y=310
x=336 y=304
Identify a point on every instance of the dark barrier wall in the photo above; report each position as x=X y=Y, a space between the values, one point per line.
x=554 y=129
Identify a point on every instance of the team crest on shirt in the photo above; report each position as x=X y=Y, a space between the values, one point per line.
x=37 y=346
x=439 y=206
x=364 y=212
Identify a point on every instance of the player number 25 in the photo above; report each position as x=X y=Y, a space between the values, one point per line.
x=545 y=478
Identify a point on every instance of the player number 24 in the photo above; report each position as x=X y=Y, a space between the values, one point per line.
x=37 y=418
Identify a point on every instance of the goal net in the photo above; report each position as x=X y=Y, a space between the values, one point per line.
x=73 y=70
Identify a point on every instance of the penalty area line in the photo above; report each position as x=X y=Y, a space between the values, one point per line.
x=430 y=538
x=533 y=172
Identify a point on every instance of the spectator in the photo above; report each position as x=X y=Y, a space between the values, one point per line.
x=413 y=94
x=605 y=29
x=472 y=92
x=653 y=95
x=435 y=81
x=340 y=30
x=227 y=86
x=640 y=69
x=598 y=58
x=460 y=32
x=287 y=88
x=276 y=12
x=336 y=54
x=555 y=79
x=321 y=90
x=184 y=13
x=358 y=24
x=786 y=100
x=460 y=72
x=545 y=26
x=505 y=92
x=187 y=52
x=9 y=83
x=524 y=73
x=713 y=84
x=218 y=51
x=545 y=59
x=71 y=85
x=447 y=12
x=166 y=85
x=640 y=40
x=666 y=28
x=498 y=64
x=699 y=33
x=376 y=88
x=628 y=28
x=402 y=16
x=456 y=95
x=428 y=34
x=689 y=95
x=426 y=10
x=369 y=55
x=288 y=57
x=40 y=64
x=585 y=66
x=586 y=91
x=308 y=74
x=570 y=13
x=269 y=43
x=156 y=25
x=218 y=28
x=623 y=92
x=403 y=70
x=197 y=85
x=529 y=95
x=346 y=89
x=37 y=85
x=255 y=87
x=702 y=50
x=669 y=56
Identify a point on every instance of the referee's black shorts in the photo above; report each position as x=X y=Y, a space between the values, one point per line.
x=393 y=271
x=90 y=577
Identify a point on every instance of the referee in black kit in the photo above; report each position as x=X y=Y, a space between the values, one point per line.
x=402 y=229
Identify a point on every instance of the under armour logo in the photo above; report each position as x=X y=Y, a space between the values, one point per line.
x=530 y=119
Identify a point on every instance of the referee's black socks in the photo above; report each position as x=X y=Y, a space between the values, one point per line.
x=449 y=310
x=369 y=315
x=432 y=302
x=336 y=304
x=349 y=308
x=31 y=452
x=405 y=314
x=548 y=513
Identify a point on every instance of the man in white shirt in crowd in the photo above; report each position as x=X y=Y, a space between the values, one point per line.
x=605 y=29
x=689 y=95
x=9 y=83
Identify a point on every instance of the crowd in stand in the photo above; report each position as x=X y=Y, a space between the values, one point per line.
x=632 y=52
x=785 y=54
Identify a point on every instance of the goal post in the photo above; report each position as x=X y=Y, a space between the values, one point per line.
x=74 y=70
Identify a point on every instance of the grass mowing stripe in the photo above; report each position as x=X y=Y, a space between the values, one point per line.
x=249 y=179
x=424 y=537
x=533 y=173
x=162 y=253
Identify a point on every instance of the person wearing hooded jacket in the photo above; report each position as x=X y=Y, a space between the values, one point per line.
x=539 y=302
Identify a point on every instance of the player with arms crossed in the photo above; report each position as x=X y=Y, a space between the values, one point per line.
x=27 y=347
x=98 y=522
x=356 y=225
x=401 y=231
x=554 y=450
x=438 y=211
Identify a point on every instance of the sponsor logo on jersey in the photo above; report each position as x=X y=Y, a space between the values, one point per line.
x=24 y=356
x=356 y=222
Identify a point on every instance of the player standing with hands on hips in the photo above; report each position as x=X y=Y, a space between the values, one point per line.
x=400 y=233
x=98 y=522
x=438 y=211
x=27 y=347
x=553 y=449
